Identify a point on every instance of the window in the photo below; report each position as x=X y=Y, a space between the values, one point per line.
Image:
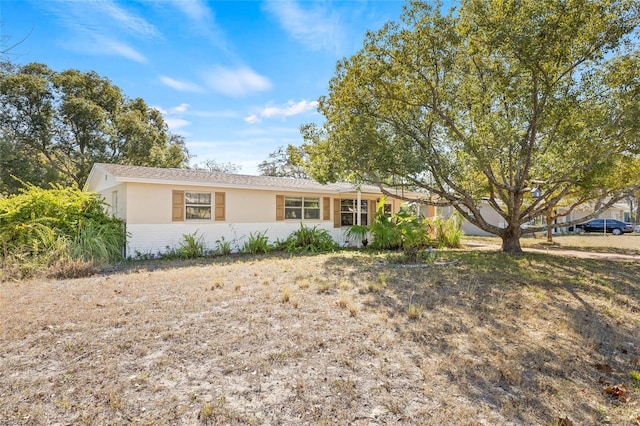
x=388 y=210
x=348 y=212
x=197 y=205
x=301 y=208
x=114 y=204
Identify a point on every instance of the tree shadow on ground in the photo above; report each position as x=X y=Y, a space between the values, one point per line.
x=534 y=337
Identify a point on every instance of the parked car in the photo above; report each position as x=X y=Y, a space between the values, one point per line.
x=614 y=227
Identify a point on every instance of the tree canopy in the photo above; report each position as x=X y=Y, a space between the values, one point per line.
x=55 y=125
x=487 y=102
x=284 y=162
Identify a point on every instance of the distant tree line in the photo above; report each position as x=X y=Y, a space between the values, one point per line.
x=55 y=125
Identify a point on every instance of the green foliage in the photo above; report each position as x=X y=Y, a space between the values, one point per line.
x=284 y=162
x=55 y=125
x=479 y=104
x=191 y=246
x=309 y=240
x=60 y=228
x=223 y=247
x=358 y=234
x=257 y=243
x=448 y=232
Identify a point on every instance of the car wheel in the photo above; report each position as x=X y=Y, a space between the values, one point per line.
x=617 y=231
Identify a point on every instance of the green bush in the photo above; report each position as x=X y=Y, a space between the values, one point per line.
x=413 y=233
x=308 y=240
x=257 y=243
x=191 y=246
x=223 y=247
x=448 y=232
x=61 y=230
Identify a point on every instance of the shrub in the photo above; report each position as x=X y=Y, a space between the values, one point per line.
x=223 y=247
x=309 y=240
x=257 y=243
x=58 y=229
x=192 y=246
x=448 y=232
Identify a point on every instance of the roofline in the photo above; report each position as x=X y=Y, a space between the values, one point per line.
x=97 y=167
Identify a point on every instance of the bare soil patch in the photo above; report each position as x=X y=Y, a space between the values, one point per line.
x=346 y=338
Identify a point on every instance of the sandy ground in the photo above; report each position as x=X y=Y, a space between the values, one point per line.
x=472 y=339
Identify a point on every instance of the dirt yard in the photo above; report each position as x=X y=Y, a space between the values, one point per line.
x=475 y=338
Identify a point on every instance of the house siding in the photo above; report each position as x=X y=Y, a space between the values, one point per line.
x=154 y=239
x=238 y=208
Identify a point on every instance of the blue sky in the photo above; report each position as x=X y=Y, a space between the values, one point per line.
x=235 y=78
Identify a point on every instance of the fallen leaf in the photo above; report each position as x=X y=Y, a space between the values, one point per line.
x=564 y=422
x=605 y=368
x=617 y=391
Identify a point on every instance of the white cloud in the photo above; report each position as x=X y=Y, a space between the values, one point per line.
x=176 y=123
x=117 y=48
x=183 y=107
x=195 y=10
x=127 y=20
x=201 y=21
x=291 y=109
x=99 y=27
x=182 y=86
x=237 y=82
x=288 y=110
x=252 y=119
x=315 y=27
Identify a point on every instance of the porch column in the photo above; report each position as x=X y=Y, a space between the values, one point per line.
x=358 y=219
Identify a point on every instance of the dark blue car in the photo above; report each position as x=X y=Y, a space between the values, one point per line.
x=614 y=227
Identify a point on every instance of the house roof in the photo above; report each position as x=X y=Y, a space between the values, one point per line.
x=125 y=173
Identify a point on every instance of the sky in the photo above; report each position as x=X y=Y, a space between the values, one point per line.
x=235 y=78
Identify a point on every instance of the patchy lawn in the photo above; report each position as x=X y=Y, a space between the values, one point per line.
x=346 y=338
x=622 y=244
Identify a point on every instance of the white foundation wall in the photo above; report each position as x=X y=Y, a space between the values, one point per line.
x=154 y=239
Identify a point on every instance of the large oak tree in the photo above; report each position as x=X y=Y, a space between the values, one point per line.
x=488 y=102
x=55 y=125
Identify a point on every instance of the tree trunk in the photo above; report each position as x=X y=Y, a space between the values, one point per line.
x=511 y=241
x=549 y=230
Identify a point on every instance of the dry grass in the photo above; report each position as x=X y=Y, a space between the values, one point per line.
x=532 y=339
x=623 y=244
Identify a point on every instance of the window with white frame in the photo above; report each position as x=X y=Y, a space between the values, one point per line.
x=301 y=208
x=349 y=212
x=197 y=205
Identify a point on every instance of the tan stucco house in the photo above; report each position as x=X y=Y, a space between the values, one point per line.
x=159 y=205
